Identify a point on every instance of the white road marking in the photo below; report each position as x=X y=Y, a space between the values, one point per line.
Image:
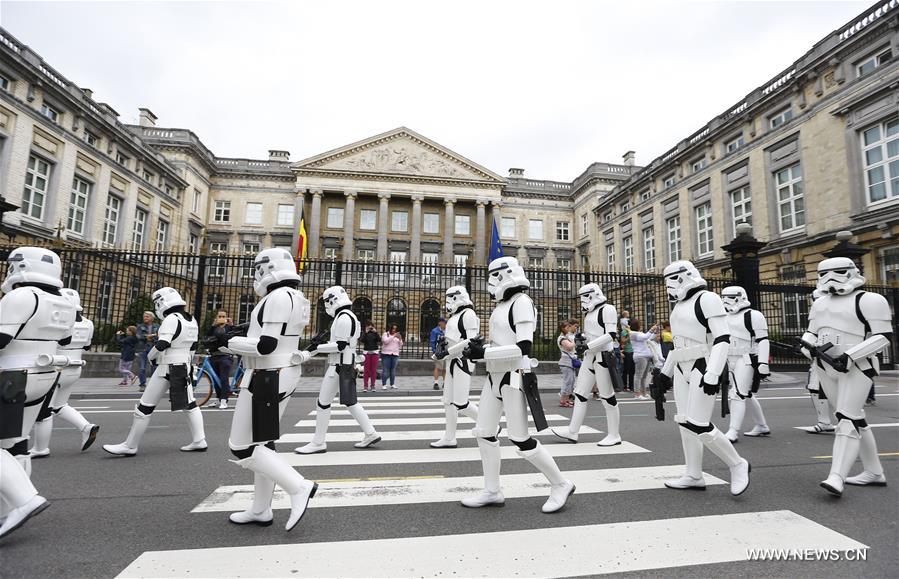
x=406 y=435
x=527 y=553
x=415 y=421
x=358 y=493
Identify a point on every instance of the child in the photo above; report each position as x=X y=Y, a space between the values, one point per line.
x=128 y=342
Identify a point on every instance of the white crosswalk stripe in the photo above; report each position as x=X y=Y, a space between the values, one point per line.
x=393 y=435
x=413 y=421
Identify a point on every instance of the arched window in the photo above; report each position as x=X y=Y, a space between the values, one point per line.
x=362 y=309
x=430 y=313
x=396 y=315
x=322 y=319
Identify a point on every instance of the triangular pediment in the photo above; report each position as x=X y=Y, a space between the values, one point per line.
x=401 y=152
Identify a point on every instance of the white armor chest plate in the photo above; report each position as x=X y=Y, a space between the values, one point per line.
x=741 y=341
x=81 y=335
x=593 y=327
x=501 y=333
x=452 y=333
x=686 y=329
x=53 y=319
x=345 y=327
x=294 y=322
x=189 y=334
x=838 y=322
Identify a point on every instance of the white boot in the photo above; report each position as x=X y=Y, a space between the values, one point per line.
x=758 y=417
x=448 y=440
x=358 y=412
x=822 y=409
x=561 y=488
x=267 y=462
x=88 y=431
x=737 y=413
x=322 y=418
x=491 y=495
x=261 y=511
x=19 y=495
x=692 y=478
x=723 y=449
x=197 y=433
x=845 y=450
x=138 y=428
x=613 y=420
x=872 y=473
x=42 y=431
x=577 y=419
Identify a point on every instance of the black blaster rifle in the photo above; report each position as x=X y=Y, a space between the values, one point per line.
x=317 y=340
x=725 y=387
x=820 y=352
x=440 y=351
x=657 y=388
x=791 y=348
x=580 y=345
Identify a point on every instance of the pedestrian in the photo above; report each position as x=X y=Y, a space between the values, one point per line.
x=625 y=318
x=391 y=343
x=217 y=338
x=567 y=361
x=436 y=334
x=643 y=358
x=667 y=339
x=371 y=344
x=127 y=341
x=146 y=337
x=627 y=355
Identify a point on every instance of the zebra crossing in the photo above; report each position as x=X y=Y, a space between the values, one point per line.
x=443 y=477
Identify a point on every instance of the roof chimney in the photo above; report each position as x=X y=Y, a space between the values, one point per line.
x=629 y=159
x=147 y=118
x=88 y=93
x=276 y=155
x=516 y=173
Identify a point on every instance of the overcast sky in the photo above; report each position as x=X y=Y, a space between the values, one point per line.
x=549 y=86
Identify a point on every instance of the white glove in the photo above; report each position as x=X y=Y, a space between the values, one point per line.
x=152 y=354
x=301 y=357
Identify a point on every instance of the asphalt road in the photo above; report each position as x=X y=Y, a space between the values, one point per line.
x=107 y=511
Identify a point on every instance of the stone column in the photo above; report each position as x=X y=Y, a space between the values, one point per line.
x=415 y=250
x=315 y=223
x=349 y=225
x=383 y=225
x=449 y=228
x=480 y=236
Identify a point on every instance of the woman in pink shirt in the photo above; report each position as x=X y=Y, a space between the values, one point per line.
x=391 y=342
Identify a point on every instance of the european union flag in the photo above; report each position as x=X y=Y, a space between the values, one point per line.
x=496 y=248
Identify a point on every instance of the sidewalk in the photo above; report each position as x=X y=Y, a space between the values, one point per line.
x=406 y=385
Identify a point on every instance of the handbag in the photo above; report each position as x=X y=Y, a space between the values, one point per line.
x=575 y=361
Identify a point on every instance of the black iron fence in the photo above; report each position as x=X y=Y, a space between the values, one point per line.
x=115 y=288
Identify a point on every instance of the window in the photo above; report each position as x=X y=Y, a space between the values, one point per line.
x=335 y=217
x=4 y=83
x=50 y=112
x=463 y=225
x=197 y=198
x=460 y=260
x=397 y=266
x=399 y=221
x=91 y=139
x=253 y=214
x=649 y=248
x=217 y=265
x=508 y=227
x=429 y=273
x=790 y=203
x=148 y=176
x=432 y=223
x=610 y=256
x=368 y=219
x=78 y=197
x=168 y=190
x=734 y=144
x=645 y=195
x=366 y=254
x=535 y=229
x=880 y=146
x=890 y=262
x=674 y=247
x=193 y=243
x=428 y=317
x=139 y=230
x=285 y=214
x=697 y=165
x=704 y=238
x=781 y=117
x=628 y=250
x=741 y=205
x=104 y=299
x=585 y=261
x=669 y=181
x=562 y=231
x=396 y=315
x=214 y=302
x=134 y=290
x=330 y=253
x=162 y=233
x=122 y=159
x=250 y=249
x=584 y=224
x=222 y=211
x=111 y=219
x=624 y=207
x=366 y=271
x=71 y=275
x=876 y=60
x=795 y=311
x=245 y=307
x=37 y=178
x=607 y=216
x=563 y=277
x=535 y=276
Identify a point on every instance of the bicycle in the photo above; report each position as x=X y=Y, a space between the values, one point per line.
x=206 y=380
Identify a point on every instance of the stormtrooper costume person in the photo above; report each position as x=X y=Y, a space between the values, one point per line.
x=462 y=325
x=823 y=409
x=273 y=366
x=512 y=326
x=35 y=319
x=600 y=322
x=747 y=361
x=82 y=333
x=856 y=325
x=700 y=330
x=173 y=353
x=341 y=351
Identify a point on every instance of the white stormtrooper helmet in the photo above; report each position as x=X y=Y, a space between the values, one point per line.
x=72 y=297
x=839 y=276
x=680 y=278
x=591 y=297
x=735 y=299
x=32 y=265
x=457 y=297
x=166 y=298
x=503 y=274
x=335 y=297
x=272 y=266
